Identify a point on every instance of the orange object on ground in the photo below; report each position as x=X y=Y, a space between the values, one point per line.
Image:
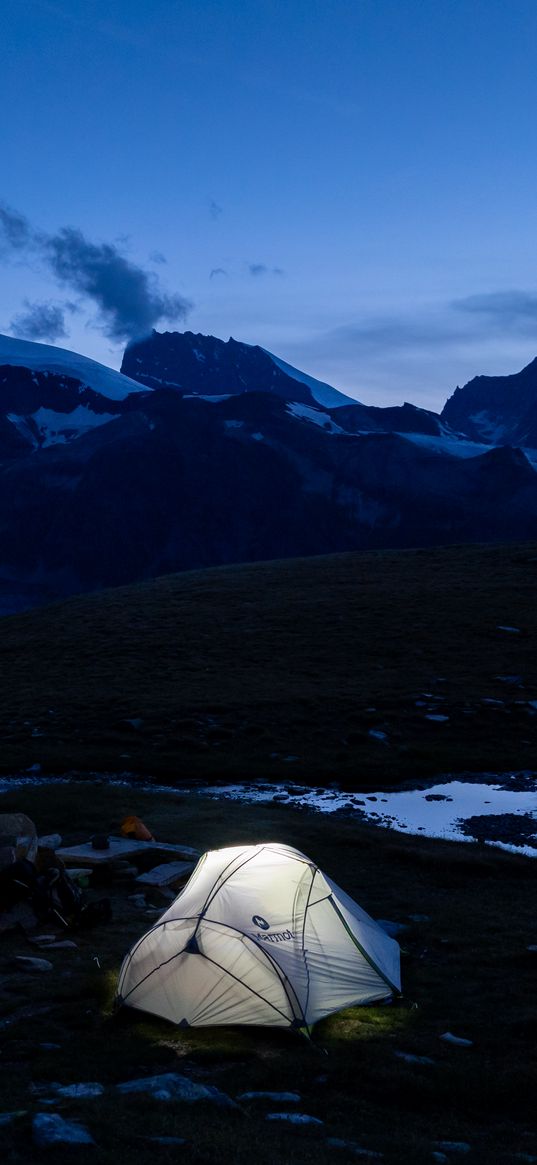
x=133 y=827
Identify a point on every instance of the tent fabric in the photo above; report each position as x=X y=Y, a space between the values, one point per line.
x=259 y=935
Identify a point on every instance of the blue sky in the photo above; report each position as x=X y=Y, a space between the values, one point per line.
x=351 y=183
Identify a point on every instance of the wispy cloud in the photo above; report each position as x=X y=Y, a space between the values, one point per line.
x=214 y=209
x=40 y=321
x=129 y=300
x=259 y=269
x=217 y=271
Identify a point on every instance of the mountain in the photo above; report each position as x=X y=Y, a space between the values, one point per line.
x=212 y=453
x=499 y=410
x=203 y=365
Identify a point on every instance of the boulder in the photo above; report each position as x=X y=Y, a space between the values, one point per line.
x=174 y=1086
x=294 y=1118
x=49 y=1128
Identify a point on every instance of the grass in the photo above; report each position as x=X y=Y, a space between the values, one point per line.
x=281 y=670
x=466 y=970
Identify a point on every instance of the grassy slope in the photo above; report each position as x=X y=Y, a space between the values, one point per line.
x=467 y=969
x=233 y=669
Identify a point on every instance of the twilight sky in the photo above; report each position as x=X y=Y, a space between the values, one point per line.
x=350 y=183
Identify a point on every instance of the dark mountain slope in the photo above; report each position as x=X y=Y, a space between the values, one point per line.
x=501 y=410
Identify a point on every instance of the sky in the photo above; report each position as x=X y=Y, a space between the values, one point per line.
x=351 y=184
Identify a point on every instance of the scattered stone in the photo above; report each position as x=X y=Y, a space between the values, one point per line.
x=453 y=1146
x=510 y=630
x=532 y=948
x=135 y=722
x=352 y=1147
x=509 y=679
x=437 y=797
x=410 y=1058
x=449 y=1038
x=51 y=841
x=51 y=1129
x=167 y=874
x=436 y=717
x=62 y=944
x=277 y=1097
x=48 y=1047
x=26 y=963
x=7 y=1118
x=440 y=1158
x=377 y=734
x=294 y=1118
x=419 y=917
x=79 y=1091
x=167 y=1140
x=138 y=900
x=174 y=1086
x=391 y=928
x=492 y=703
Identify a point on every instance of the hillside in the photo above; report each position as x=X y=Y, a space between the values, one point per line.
x=283 y=670
x=379 y=1078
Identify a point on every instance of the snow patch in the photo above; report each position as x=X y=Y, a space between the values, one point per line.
x=314 y=416
x=233 y=424
x=323 y=393
x=47 y=358
x=447 y=446
x=489 y=427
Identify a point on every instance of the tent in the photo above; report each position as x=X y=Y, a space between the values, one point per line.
x=259 y=935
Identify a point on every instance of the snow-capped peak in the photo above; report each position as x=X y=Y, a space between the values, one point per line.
x=324 y=394
x=47 y=358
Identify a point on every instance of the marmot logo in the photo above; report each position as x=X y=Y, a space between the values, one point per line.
x=260 y=922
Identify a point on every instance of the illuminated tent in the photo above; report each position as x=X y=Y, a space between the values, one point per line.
x=259 y=935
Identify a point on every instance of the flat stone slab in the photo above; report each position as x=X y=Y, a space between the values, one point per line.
x=122 y=847
x=166 y=874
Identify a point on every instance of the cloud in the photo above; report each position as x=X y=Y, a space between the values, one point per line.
x=40 y=321
x=257 y=269
x=16 y=231
x=502 y=308
x=217 y=271
x=214 y=209
x=129 y=300
x=158 y=257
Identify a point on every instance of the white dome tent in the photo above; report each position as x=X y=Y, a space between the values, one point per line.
x=259 y=935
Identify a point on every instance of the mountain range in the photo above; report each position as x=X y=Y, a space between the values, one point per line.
x=201 y=452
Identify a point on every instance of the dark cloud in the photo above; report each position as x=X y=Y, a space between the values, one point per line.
x=502 y=308
x=40 y=321
x=214 y=209
x=158 y=257
x=129 y=300
x=257 y=269
x=217 y=271
x=17 y=234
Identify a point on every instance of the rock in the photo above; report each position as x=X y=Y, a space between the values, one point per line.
x=509 y=679
x=449 y=1038
x=174 y=1086
x=26 y=963
x=436 y=717
x=410 y=1058
x=277 y=1097
x=391 y=928
x=167 y=1140
x=377 y=734
x=419 y=917
x=532 y=948
x=51 y=1129
x=7 y=1118
x=352 y=1147
x=135 y=722
x=65 y=944
x=509 y=630
x=440 y=1158
x=78 y=1091
x=294 y=1118
x=137 y=900
x=48 y=1047
x=50 y=841
x=453 y=1146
